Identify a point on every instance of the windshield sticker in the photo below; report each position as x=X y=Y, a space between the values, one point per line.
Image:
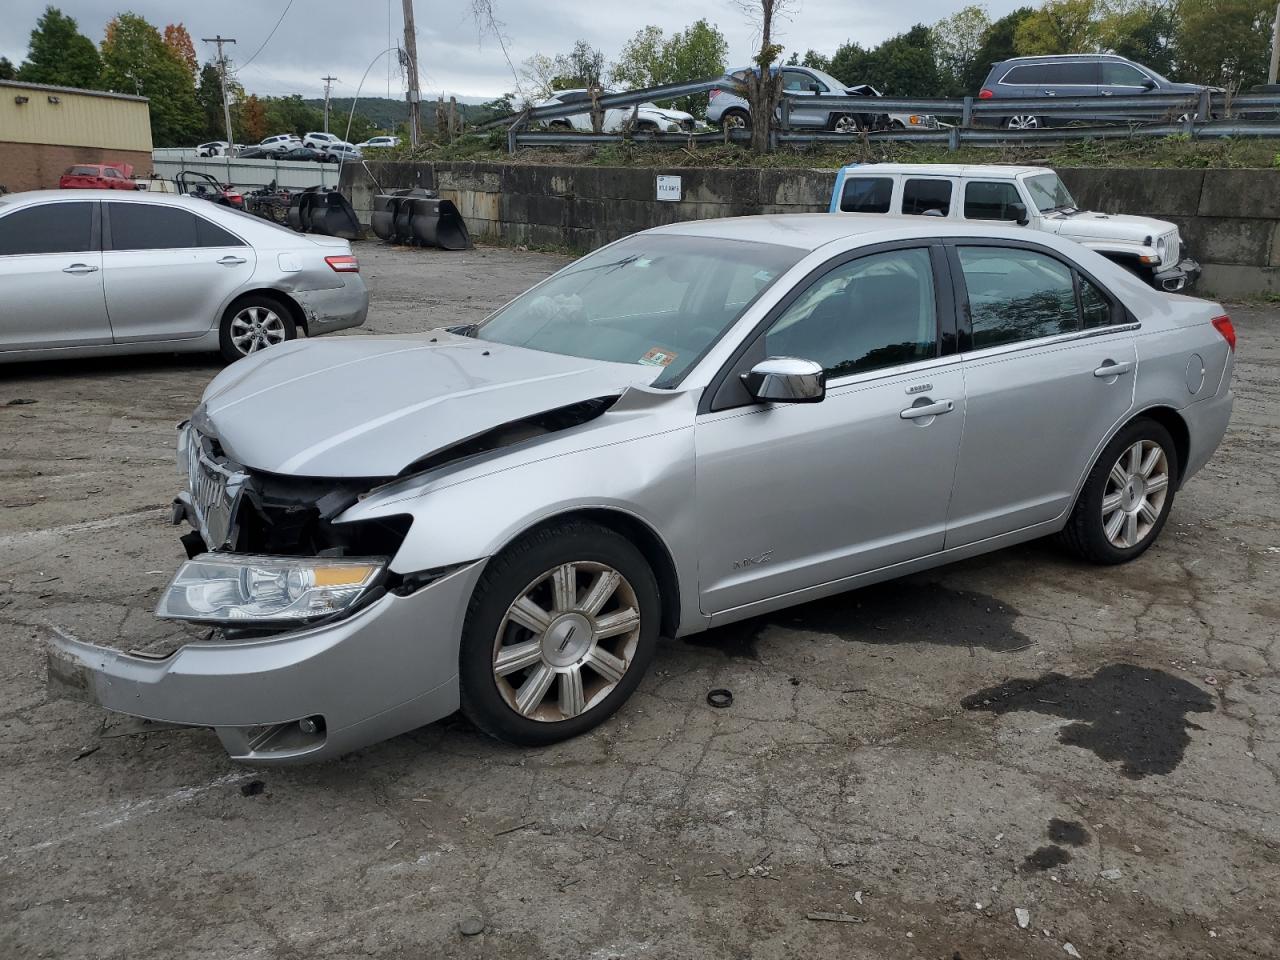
x=658 y=357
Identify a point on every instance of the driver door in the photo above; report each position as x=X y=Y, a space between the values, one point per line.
x=793 y=496
x=798 y=86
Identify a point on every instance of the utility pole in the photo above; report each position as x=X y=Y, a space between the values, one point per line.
x=327 y=81
x=411 y=52
x=1275 y=47
x=222 y=69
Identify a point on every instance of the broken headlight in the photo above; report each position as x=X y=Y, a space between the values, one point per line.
x=228 y=588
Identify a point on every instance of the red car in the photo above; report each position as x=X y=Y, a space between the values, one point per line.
x=98 y=176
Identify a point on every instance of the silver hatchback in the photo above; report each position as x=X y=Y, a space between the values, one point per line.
x=97 y=272
x=691 y=426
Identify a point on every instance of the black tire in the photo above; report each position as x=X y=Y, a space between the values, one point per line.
x=647 y=126
x=736 y=117
x=1084 y=533
x=505 y=578
x=227 y=345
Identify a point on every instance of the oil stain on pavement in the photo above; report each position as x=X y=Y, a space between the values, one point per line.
x=898 y=612
x=1125 y=714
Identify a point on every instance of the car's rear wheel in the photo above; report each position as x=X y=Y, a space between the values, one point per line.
x=558 y=634
x=252 y=324
x=1023 y=121
x=1127 y=496
x=735 y=120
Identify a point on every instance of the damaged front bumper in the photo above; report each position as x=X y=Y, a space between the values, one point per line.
x=300 y=696
x=1179 y=277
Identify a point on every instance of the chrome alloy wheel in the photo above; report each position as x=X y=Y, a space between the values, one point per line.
x=566 y=641
x=1135 y=493
x=845 y=124
x=256 y=328
x=1023 y=121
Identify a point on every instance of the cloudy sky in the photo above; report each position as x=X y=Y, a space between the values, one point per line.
x=341 y=38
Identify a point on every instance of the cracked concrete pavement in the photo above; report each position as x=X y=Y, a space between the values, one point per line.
x=907 y=764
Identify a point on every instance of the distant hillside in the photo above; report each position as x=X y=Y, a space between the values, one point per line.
x=387 y=114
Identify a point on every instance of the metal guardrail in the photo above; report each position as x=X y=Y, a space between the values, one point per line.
x=287 y=174
x=1202 y=114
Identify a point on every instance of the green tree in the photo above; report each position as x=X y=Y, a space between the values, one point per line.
x=1061 y=26
x=7 y=70
x=1224 y=42
x=136 y=60
x=291 y=115
x=956 y=41
x=1145 y=32
x=651 y=59
x=997 y=45
x=59 y=54
x=815 y=60
x=905 y=65
x=209 y=103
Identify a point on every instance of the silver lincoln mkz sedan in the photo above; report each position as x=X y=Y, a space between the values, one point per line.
x=694 y=425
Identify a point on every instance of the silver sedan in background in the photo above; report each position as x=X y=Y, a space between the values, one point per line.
x=694 y=425
x=96 y=272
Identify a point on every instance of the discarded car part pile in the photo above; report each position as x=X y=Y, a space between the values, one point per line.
x=269 y=203
x=325 y=211
x=419 y=217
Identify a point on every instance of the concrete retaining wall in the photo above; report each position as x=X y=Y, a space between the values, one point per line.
x=1229 y=218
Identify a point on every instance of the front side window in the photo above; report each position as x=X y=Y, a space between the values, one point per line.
x=1017 y=295
x=993 y=200
x=659 y=300
x=146 y=226
x=931 y=197
x=1115 y=73
x=48 y=228
x=866 y=194
x=874 y=312
x=82 y=172
x=112 y=172
x=793 y=81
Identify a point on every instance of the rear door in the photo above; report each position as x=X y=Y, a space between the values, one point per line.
x=51 y=291
x=1049 y=363
x=167 y=271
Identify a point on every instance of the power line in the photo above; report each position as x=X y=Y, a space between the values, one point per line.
x=269 y=35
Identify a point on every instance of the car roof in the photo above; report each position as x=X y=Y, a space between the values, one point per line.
x=947 y=169
x=131 y=196
x=809 y=231
x=1052 y=57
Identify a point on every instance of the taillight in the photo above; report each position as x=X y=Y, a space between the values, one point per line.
x=985 y=94
x=343 y=264
x=235 y=198
x=1223 y=326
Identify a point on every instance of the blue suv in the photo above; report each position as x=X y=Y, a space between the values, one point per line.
x=1072 y=75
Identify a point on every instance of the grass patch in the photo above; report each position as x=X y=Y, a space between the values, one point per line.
x=1167 y=152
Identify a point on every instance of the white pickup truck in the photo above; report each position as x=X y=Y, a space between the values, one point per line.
x=1033 y=197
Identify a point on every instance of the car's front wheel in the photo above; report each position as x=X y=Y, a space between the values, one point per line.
x=736 y=119
x=558 y=634
x=254 y=323
x=1127 y=496
x=1023 y=121
x=844 y=123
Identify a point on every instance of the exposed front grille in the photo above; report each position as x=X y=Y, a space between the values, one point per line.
x=215 y=493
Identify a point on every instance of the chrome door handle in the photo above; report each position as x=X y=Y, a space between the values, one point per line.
x=928 y=410
x=80 y=268
x=230 y=261
x=1109 y=369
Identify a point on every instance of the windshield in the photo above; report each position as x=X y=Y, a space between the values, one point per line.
x=828 y=79
x=655 y=299
x=1049 y=193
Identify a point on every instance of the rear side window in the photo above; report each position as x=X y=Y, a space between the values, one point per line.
x=82 y=172
x=1072 y=72
x=926 y=196
x=211 y=235
x=145 y=226
x=1095 y=307
x=866 y=194
x=990 y=200
x=1025 y=75
x=1017 y=295
x=48 y=228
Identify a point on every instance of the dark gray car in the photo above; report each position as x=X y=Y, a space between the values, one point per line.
x=1077 y=75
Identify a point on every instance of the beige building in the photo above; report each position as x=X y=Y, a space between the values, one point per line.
x=44 y=130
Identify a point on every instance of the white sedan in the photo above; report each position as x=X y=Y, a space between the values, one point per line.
x=649 y=117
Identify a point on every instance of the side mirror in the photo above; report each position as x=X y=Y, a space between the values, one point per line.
x=786 y=380
x=815 y=88
x=1019 y=211
x=1148 y=84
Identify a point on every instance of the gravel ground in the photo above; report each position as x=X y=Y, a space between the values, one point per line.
x=903 y=771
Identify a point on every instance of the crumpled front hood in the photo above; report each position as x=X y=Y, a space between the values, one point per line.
x=370 y=406
x=1110 y=226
